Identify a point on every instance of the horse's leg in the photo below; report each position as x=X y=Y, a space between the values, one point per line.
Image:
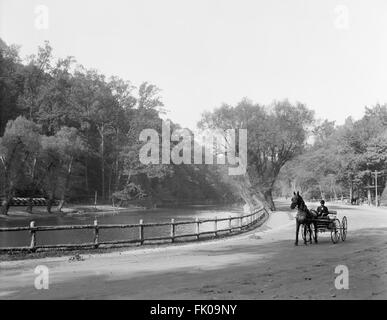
x=310 y=232
x=315 y=232
x=305 y=240
x=297 y=228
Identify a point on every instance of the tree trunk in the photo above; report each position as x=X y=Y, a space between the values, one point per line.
x=51 y=196
x=66 y=186
x=103 y=160
x=5 y=205
x=321 y=191
x=50 y=200
x=30 y=204
x=111 y=174
x=86 y=175
x=383 y=197
x=253 y=197
x=293 y=186
x=8 y=190
x=269 y=199
x=60 y=205
x=369 y=197
x=49 y=204
x=117 y=177
x=116 y=174
x=351 y=191
x=335 y=194
x=86 y=164
x=8 y=184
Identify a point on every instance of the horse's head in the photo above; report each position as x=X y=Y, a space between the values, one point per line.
x=296 y=200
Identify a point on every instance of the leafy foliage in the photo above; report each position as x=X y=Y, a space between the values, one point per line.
x=67 y=131
x=341 y=159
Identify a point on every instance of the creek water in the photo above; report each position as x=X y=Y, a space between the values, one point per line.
x=184 y=213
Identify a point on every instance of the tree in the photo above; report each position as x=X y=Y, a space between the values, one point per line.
x=136 y=175
x=34 y=77
x=10 y=83
x=341 y=158
x=71 y=147
x=149 y=97
x=58 y=155
x=86 y=130
x=275 y=134
x=18 y=152
x=123 y=93
x=51 y=165
x=54 y=98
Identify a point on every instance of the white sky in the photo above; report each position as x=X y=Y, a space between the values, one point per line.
x=205 y=52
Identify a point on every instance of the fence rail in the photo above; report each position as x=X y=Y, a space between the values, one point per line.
x=256 y=218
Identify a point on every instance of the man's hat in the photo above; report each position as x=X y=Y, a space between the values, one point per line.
x=322 y=202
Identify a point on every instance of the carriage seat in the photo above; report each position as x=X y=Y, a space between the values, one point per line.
x=331 y=215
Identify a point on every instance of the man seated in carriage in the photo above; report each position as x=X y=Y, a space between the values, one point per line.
x=322 y=210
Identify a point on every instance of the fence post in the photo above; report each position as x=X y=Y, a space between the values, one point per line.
x=96 y=233
x=95 y=200
x=241 y=222
x=216 y=226
x=173 y=230
x=141 y=231
x=33 y=235
x=197 y=227
x=229 y=223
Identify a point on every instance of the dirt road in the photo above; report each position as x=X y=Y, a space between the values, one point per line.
x=264 y=264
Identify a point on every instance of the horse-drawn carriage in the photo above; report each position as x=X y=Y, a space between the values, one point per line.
x=311 y=223
x=331 y=223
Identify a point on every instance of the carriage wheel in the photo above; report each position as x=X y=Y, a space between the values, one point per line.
x=335 y=230
x=344 y=228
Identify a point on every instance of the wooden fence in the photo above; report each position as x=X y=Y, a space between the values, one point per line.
x=245 y=222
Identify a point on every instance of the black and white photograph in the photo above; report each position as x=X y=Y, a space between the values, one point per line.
x=205 y=151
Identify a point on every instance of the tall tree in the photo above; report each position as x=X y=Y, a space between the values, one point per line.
x=275 y=135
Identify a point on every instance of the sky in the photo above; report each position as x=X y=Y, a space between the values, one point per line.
x=329 y=54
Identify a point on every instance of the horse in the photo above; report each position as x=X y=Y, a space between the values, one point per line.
x=304 y=216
